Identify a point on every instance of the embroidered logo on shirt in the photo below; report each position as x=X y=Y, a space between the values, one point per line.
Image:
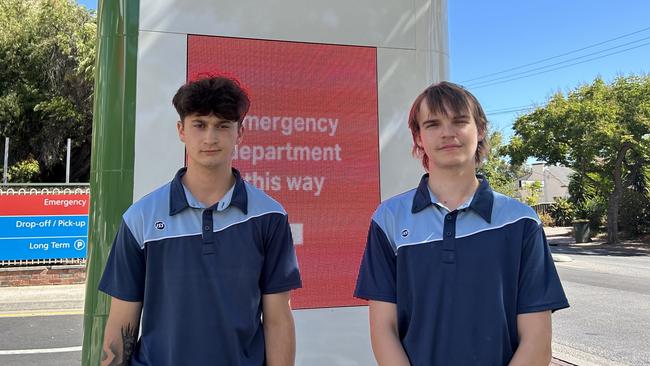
x=159 y=225
x=405 y=233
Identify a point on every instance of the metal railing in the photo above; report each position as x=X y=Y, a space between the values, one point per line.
x=44 y=188
x=41 y=262
x=542 y=208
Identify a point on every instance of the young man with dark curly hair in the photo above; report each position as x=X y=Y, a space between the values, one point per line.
x=204 y=257
x=457 y=274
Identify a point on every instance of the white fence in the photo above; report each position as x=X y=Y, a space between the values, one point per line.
x=22 y=189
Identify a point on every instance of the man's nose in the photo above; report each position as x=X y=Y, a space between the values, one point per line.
x=212 y=136
x=448 y=130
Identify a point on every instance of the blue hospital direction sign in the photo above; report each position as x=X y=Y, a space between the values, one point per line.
x=44 y=236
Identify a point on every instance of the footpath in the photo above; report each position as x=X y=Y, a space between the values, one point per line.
x=41 y=300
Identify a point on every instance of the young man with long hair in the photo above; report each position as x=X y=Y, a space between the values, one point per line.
x=457 y=274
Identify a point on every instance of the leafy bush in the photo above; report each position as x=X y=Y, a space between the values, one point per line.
x=592 y=209
x=634 y=213
x=24 y=171
x=562 y=212
x=547 y=220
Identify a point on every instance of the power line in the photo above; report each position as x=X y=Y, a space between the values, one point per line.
x=478 y=86
x=510 y=110
x=557 y=56
x=558 y=63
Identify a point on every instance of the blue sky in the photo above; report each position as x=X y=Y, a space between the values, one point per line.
x=487 y=37
x=92 y=4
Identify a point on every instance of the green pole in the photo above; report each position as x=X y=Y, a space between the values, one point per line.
x=111 y=173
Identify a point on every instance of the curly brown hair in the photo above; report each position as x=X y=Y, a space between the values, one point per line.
x=218 y=95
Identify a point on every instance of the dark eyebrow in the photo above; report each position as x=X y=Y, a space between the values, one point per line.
x=218 y=122
x=433 y=120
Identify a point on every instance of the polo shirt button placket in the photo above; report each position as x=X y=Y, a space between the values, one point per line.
x=448 y=242
x=208 y=246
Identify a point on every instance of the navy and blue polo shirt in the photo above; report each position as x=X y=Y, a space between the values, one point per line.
x=200 y=273
x=460 y=278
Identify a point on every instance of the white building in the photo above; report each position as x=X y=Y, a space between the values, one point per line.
x=554 y=181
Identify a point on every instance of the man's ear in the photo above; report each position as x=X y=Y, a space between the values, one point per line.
x=180 y=127
x=481 y=136
x=418 y=141
x=240 y=133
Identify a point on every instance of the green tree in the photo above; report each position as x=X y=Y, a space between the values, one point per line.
x=600 y=130
x=499 y=172
x=47 y=56
x=533 y=191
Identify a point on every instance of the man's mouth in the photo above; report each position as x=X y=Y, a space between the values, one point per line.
x=449 y=147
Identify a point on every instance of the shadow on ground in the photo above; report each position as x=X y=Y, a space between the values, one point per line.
x=627 y=248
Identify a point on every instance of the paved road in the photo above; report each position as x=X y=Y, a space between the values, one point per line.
x=609 y=319
x=49 y=340
x=41 y=325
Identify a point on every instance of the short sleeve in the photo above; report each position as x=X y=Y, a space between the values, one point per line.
x=377 y=274
x=124 y=274
x=280 y=272
x=540 y=288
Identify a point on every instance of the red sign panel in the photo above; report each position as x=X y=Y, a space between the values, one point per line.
x=44 y=204
x=311 y=142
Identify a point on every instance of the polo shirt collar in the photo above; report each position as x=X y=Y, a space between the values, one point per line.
x=236 y=196
x=481 y=203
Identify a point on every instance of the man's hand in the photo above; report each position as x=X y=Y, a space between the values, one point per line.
x=121 y=332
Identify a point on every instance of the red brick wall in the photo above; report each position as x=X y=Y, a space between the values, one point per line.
x=42 y=275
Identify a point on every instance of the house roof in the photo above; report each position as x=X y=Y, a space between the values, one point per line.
x=561 y=173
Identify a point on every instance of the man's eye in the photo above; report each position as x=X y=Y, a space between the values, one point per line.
x=199 y=125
